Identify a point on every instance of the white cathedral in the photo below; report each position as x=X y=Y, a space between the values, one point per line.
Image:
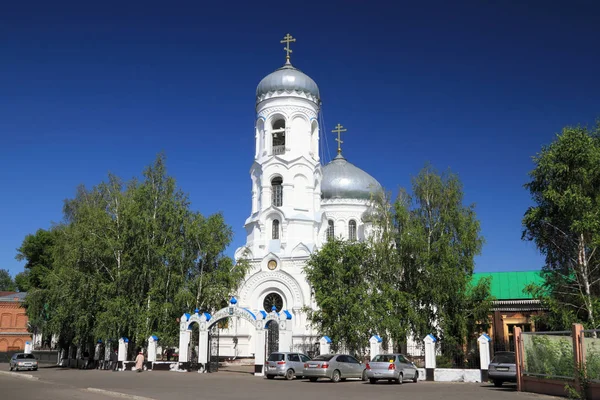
x=297 y=204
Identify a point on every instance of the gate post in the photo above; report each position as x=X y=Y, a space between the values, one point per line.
x=484 y=356
x=184 y=339
x=122 y=357
x=375 y=346
x=152 y=340
x=259 y=351
x=203 y=350
x=285 y=331
x=325 y=345
x=429 y=341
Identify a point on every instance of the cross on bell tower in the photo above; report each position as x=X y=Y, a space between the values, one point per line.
x=287 y=39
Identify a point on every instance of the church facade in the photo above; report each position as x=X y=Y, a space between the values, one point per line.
x=297 y=204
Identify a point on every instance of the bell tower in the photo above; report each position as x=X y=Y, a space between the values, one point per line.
x=286 y=173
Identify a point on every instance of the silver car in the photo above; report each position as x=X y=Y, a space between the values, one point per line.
x=337 y=367
x=288 y=365
x=503 y=368
x=21 y=361
x=392 y=367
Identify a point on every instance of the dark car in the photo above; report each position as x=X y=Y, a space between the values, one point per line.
x=503 y=368
x=23 y=361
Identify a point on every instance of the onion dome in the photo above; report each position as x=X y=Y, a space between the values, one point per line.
x=288 y=80
x=343 y=180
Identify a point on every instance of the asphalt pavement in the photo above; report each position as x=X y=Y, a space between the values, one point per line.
x=59 y=383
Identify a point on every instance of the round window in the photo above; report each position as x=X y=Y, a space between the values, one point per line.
x=273 y=300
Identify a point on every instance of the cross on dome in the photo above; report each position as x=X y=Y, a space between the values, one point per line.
x=339 y=129
x=287 y=39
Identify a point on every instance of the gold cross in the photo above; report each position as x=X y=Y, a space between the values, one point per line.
x=339 y=129
x=287 y=39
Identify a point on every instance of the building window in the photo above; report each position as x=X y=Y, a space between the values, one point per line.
x=330 y=230
x=275 y=229
x=278 y=132
x=352 y=230
x=273 y=300
x=277 y=192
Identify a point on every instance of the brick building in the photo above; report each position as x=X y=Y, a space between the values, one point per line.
x=513 y=306
x=13 y=322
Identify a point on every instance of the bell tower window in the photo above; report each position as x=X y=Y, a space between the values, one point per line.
x=275 y=233
x=277 y=192
x=330 y=230
x=278 y=132
x=352 y=230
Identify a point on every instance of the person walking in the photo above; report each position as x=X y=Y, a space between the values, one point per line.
x=114 y=360
x=139 y=362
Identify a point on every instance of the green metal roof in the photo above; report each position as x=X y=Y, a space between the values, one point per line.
x=510 y=285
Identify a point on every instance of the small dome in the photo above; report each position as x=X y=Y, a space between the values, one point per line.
x=343 y=180
x=288 y=79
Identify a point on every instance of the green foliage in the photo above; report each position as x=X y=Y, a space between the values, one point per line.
x=564 y=224
x=551 y=356
x=6 y=281
x=412 y=276
x=128 y=259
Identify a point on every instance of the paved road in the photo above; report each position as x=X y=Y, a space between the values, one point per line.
x=58 y=383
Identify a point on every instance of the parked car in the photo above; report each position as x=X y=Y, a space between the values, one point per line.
x=392 y=367
x=288 y=365
x=503 y=368
x=21 y=361
x=337 y=367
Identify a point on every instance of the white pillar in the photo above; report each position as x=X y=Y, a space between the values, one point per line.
x=184 y=341
x=152 y=342
x=259 y=348
x=123 y=345
x=203 y=349
x=484 y=355
x=429 y=341
x=28 y=347
x=285 y=331
x=374 y=346
x=325 y=345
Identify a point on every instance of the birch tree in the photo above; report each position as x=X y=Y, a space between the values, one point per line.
x=564 y=223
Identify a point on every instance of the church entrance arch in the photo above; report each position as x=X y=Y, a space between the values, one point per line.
x=208 y=336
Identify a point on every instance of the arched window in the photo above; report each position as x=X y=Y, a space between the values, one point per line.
x=277 y=192
x=352 y=230
x=275 y=229
x=278 y=132
x=330 y=230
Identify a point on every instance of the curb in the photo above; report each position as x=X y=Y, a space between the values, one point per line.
x=18 y=375
x=117 y=394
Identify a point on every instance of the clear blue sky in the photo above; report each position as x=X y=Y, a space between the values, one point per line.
x=92 y=87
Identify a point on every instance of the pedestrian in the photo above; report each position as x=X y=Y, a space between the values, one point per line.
x=139 y=362
x=114 y=360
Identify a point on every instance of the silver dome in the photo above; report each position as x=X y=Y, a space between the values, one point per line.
x=287 y=79
x=343 y=180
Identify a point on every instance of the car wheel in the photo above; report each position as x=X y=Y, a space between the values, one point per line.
x=335 y=377
x=400 y=379
x=364 y=375
x=35 y=369
x=416 y=378
x=289 y=374
x=313 y=379
x=497 y=383
x=270 y=376
x=372 y=381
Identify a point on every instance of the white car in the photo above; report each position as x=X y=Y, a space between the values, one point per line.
x=21 y=361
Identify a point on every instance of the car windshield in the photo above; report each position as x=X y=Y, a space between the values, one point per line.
x=384 y=358
x=506 y=358
x=276 y=357
x=323 y=357
x=25 y=356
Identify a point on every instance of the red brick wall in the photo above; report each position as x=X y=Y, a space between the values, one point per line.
x=13 y=326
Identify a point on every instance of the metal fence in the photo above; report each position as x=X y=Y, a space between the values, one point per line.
x=591 y=354
x=548 y=355
x=450 y=355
